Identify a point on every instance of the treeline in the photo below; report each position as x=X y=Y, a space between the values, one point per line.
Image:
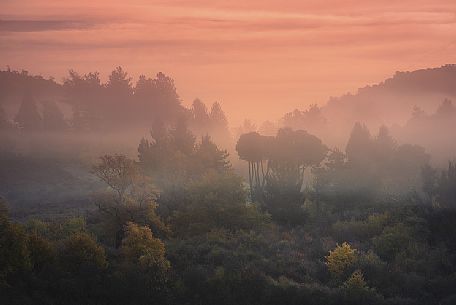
x=179 y=226
x=96 y=106
x=371 y=169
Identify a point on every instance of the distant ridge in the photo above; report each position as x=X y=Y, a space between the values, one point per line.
x=392 y=101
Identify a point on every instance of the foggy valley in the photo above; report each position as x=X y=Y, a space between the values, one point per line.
x=227 y=158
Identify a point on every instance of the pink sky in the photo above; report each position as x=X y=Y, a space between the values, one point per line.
x=258 y=58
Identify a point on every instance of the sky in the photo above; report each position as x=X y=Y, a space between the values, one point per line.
x=259 y=58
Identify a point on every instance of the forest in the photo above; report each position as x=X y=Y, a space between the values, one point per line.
x=116 y=192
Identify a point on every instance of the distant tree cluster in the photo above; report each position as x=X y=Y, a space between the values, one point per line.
x=117 y=102
x=29 y=118
x=432 y=130
x=311 y=119
x=370 y=169
x=277 y=167
x=371 y=166
x=213 y=123
x=173 y=154
x=96 y=106
x=440 y=186
x=63 y=263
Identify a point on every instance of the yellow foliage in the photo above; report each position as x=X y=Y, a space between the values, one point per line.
x=356 y=281
x=139 y=245
x=339 y=259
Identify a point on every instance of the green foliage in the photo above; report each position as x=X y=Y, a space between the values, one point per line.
x=445 y=190
x=132 y=200
x=392 y=241
x=14 y=252
x=216 y=201
x=360 y=230
x=80 y=252
x=41 y=251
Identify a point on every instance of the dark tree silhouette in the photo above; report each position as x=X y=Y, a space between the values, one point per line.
x=311 y=119
x=251 y=147
x=86 y=95
x=210 y=157
x=119 y=83
x=157 y=99
x=359 y=145
x=287 y=157
x=219 y=123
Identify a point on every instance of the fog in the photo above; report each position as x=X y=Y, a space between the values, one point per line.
x=124 y=179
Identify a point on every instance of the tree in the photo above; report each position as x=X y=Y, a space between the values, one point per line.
x=87 y=96
x=218 y=116
x=172 y=156
x=119 y=173
x=119 y=83
x=355 y=291
x=144 y=269
x=340 y=259
x=446 y=189
x=14 y=252
x=182 y=138
x=80 y=252
x=167 y=156
x=53 y=119
x=430 y=184
x=292 y=153
x=392 y=241
x=252 y=147
x=42 y=252
x=356 y=281
x=359 y=146
x=133 y=200
x=209 y=157
x=119 y=94
x=219 y=123
x=201 y=120
x=278 y=185
x=139 y=246
x=330 y=176
x=217 y=201
x=384 y=143
x=157 y=99
x=28 y=117
x=311 y=119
